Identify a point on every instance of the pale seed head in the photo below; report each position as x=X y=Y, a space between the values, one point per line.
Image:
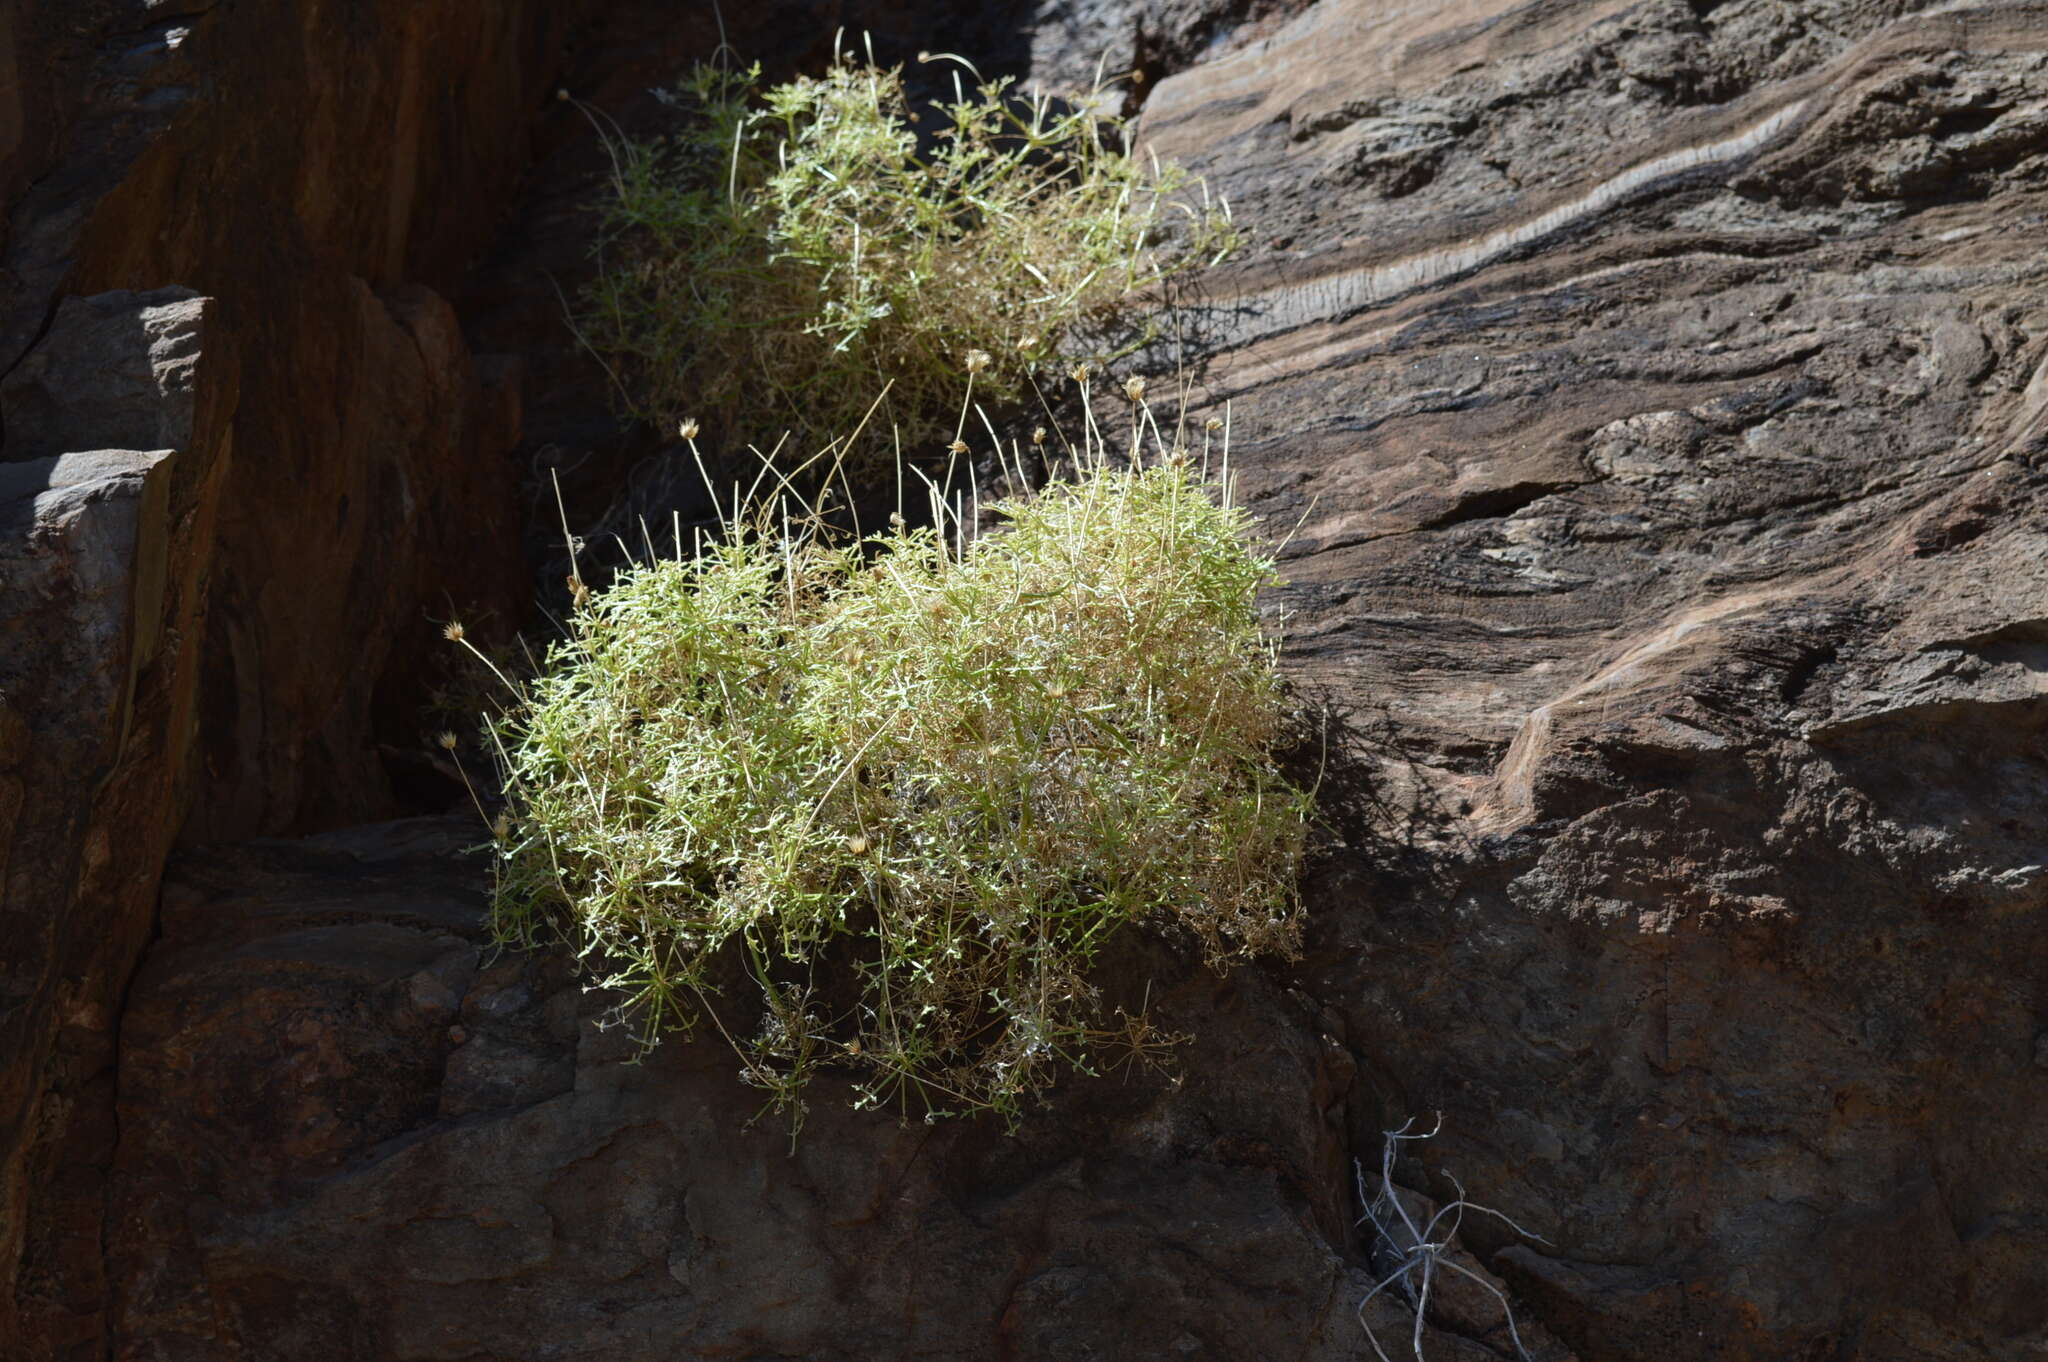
x=1079 y=373
x=688 y=429
x=857 y=844
x=452 y=631
x=977 y=360
x=1038 y=436
x=1134 y=388
x=447 y=740
x=958 y=446
x=1213 y=424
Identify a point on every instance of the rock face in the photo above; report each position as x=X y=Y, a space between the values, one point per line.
x=234 y=498
x=104 y=554
x=317 y=170
x=413 y=1148
x=1661 y=391
x=1660 y=385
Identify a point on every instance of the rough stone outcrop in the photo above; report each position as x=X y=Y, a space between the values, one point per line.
x=106 y=532
x=303 y=165
x=413 y=1147
x=1661 y=387
x=1658 y=386
x=193 y=640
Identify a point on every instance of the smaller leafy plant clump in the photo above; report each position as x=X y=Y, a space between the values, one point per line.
x=879 y=803
x=787 y=252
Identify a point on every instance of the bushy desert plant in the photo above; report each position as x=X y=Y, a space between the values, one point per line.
x=913 y=783
x=789 y=252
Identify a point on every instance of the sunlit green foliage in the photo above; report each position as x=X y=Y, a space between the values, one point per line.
x=786 y=254
x=914 y=787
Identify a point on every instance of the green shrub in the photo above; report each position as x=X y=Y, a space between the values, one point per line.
x=914 y=787
x=786 y=254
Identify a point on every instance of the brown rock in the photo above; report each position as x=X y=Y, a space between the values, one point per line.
x=365 y=159
x=281 y=1160
x=104 y=555
x=1674 y=498
x=224 y=663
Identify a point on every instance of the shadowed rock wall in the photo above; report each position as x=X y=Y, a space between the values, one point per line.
x=307 y=465
x=122 y=418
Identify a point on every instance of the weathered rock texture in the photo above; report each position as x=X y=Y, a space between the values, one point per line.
x=315 y=169
x=104 y=554
x=1662 y=392
x=1661 y=385
x=194 y=638
x=413 y=1148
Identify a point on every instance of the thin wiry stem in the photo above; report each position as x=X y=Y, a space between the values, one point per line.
x=1420 y=1250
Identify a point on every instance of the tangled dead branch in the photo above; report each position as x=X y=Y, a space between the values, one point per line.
x=1419 y=1252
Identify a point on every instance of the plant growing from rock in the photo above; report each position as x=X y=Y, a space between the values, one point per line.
x=788 y=252
x=877 y=803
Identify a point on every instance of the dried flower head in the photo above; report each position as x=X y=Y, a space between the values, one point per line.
x=452 y=631
x=857 y=844
x=896 y=521
x=578 y=592
x=447 y=739
x=1079 y=373
x=1134 y=388
x=977 y=360
x=1213 y=424
x=688 y=429
x=501 y=826
x=958 y=447
x=1038 y=435
x=561 y=95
